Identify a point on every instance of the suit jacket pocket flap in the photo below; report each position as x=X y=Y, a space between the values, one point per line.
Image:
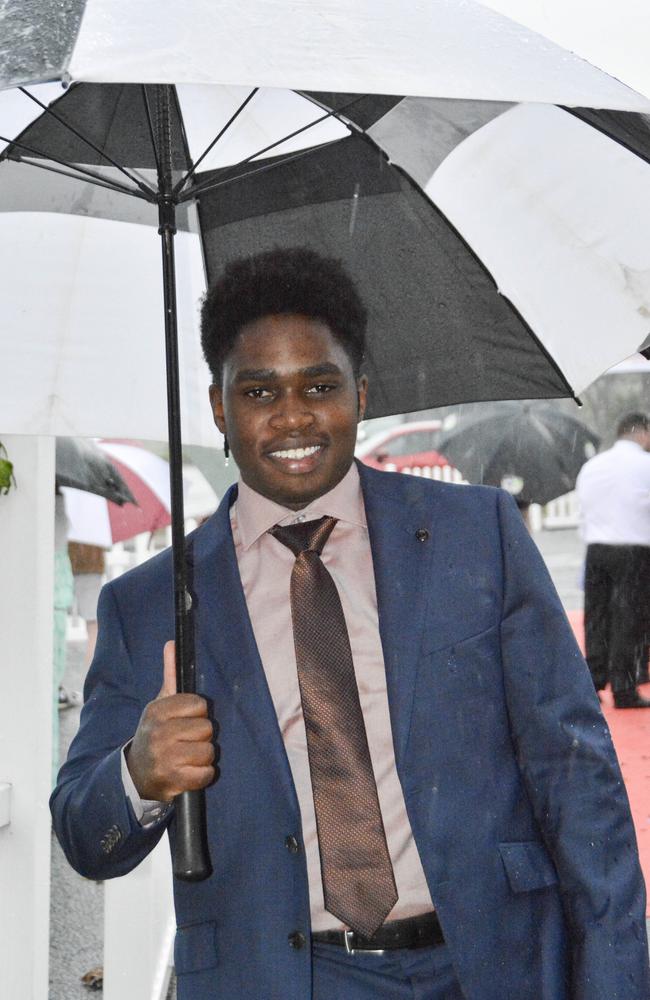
x=528 y=866
x=195 y=947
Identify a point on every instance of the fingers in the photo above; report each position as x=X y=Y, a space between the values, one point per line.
x=183 y=705
x=174 y=747
x=193 y=779
x=169 y=686
x=181 y=729
x=198 y=755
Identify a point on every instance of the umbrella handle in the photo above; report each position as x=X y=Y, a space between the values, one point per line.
x=191 y=858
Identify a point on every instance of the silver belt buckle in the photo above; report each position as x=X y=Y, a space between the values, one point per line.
x=347 y=937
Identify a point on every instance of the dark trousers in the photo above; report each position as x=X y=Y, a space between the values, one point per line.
x=617 y=613
x=421 y=974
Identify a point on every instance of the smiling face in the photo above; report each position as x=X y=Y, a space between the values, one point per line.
x=289 y=404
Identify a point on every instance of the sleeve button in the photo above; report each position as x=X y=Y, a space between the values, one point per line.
x=291 y=844
x=297 y=940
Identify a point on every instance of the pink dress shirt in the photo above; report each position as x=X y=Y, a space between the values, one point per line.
x=265 y=567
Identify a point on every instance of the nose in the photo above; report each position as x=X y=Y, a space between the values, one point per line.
x=292 y=413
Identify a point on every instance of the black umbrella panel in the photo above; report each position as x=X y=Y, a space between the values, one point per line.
x=533 y=450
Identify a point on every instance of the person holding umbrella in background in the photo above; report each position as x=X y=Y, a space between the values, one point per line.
x=614 y=494
x=417 y=793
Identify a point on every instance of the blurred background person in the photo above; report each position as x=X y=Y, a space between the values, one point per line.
x=88 y=567
x=614 y=494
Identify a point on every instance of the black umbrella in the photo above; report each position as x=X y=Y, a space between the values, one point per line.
x=440 y=331
x=533 y=450
x=82 y=465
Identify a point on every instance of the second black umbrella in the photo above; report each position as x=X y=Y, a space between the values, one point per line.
x=533 y=450
x=84 y=466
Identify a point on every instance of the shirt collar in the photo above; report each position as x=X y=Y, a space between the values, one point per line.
x=256 y=514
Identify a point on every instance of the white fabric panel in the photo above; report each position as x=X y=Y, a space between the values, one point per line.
x=427 y=48
x=82 y=338
x=560 y=215
x=611 y=35
x=636 y=364
x=269 y=116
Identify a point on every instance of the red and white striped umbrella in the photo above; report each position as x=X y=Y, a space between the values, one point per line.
x=97 y=521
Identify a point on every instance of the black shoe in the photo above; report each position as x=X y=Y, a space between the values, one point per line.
x=630 y=699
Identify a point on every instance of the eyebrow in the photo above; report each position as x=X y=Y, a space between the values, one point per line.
x=268 y=374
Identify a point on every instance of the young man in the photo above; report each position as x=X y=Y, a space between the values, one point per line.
x=614 y=494
x=418 y=795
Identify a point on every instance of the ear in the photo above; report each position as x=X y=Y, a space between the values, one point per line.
x=362 y=396
x=216 y=402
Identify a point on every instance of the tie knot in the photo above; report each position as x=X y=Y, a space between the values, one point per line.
x=307 y=536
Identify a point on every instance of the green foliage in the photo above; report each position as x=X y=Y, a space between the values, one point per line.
x=7 y=478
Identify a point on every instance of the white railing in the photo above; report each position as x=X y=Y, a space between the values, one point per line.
x=561 y=513
x=139 y=929
x=443 y=473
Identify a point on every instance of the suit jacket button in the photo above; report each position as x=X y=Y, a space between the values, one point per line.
x=291 y=844
x=297 y=940
x=422 y=534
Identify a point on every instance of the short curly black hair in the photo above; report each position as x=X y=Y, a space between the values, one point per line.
x=295 y=280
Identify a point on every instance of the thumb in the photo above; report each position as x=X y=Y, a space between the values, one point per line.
x=169 y=686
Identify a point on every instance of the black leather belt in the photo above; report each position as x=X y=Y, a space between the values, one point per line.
x=423 y=931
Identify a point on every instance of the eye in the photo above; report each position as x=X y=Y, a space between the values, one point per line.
x=320 y=388
x=258 y=393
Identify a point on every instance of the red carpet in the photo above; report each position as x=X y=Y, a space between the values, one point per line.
x=630 y=730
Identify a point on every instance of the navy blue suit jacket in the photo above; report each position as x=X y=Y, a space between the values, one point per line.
x=511 y=784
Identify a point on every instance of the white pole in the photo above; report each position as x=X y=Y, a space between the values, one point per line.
x=26 y=627
x=139 y=929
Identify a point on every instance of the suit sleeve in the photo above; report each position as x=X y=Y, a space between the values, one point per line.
x=93 y=818
x=569 y=766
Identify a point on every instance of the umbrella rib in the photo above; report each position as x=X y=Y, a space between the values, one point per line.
x=212 y=185
x=330 y=114
x=118 y=189
x=183 y=131
x=183 y=181
x=605 y=131
x=147 y=195
x=147 y=108
x=48 y=111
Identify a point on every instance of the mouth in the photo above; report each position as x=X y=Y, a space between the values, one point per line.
x=297 y=460
x=294 y=453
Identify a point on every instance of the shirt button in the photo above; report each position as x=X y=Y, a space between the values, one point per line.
x=291 y=844
x=297 y=940
x=299 y=519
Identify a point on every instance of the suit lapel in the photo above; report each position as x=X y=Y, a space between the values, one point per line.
x=401 y=530
x=224 y=630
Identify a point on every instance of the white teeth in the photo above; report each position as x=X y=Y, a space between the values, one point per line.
x=294 y=453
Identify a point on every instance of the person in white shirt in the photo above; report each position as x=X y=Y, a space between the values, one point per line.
x=614 y=494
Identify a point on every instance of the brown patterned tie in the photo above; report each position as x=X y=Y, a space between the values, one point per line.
x=358 y=881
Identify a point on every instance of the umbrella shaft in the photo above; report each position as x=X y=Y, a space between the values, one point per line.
x=184 y=660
